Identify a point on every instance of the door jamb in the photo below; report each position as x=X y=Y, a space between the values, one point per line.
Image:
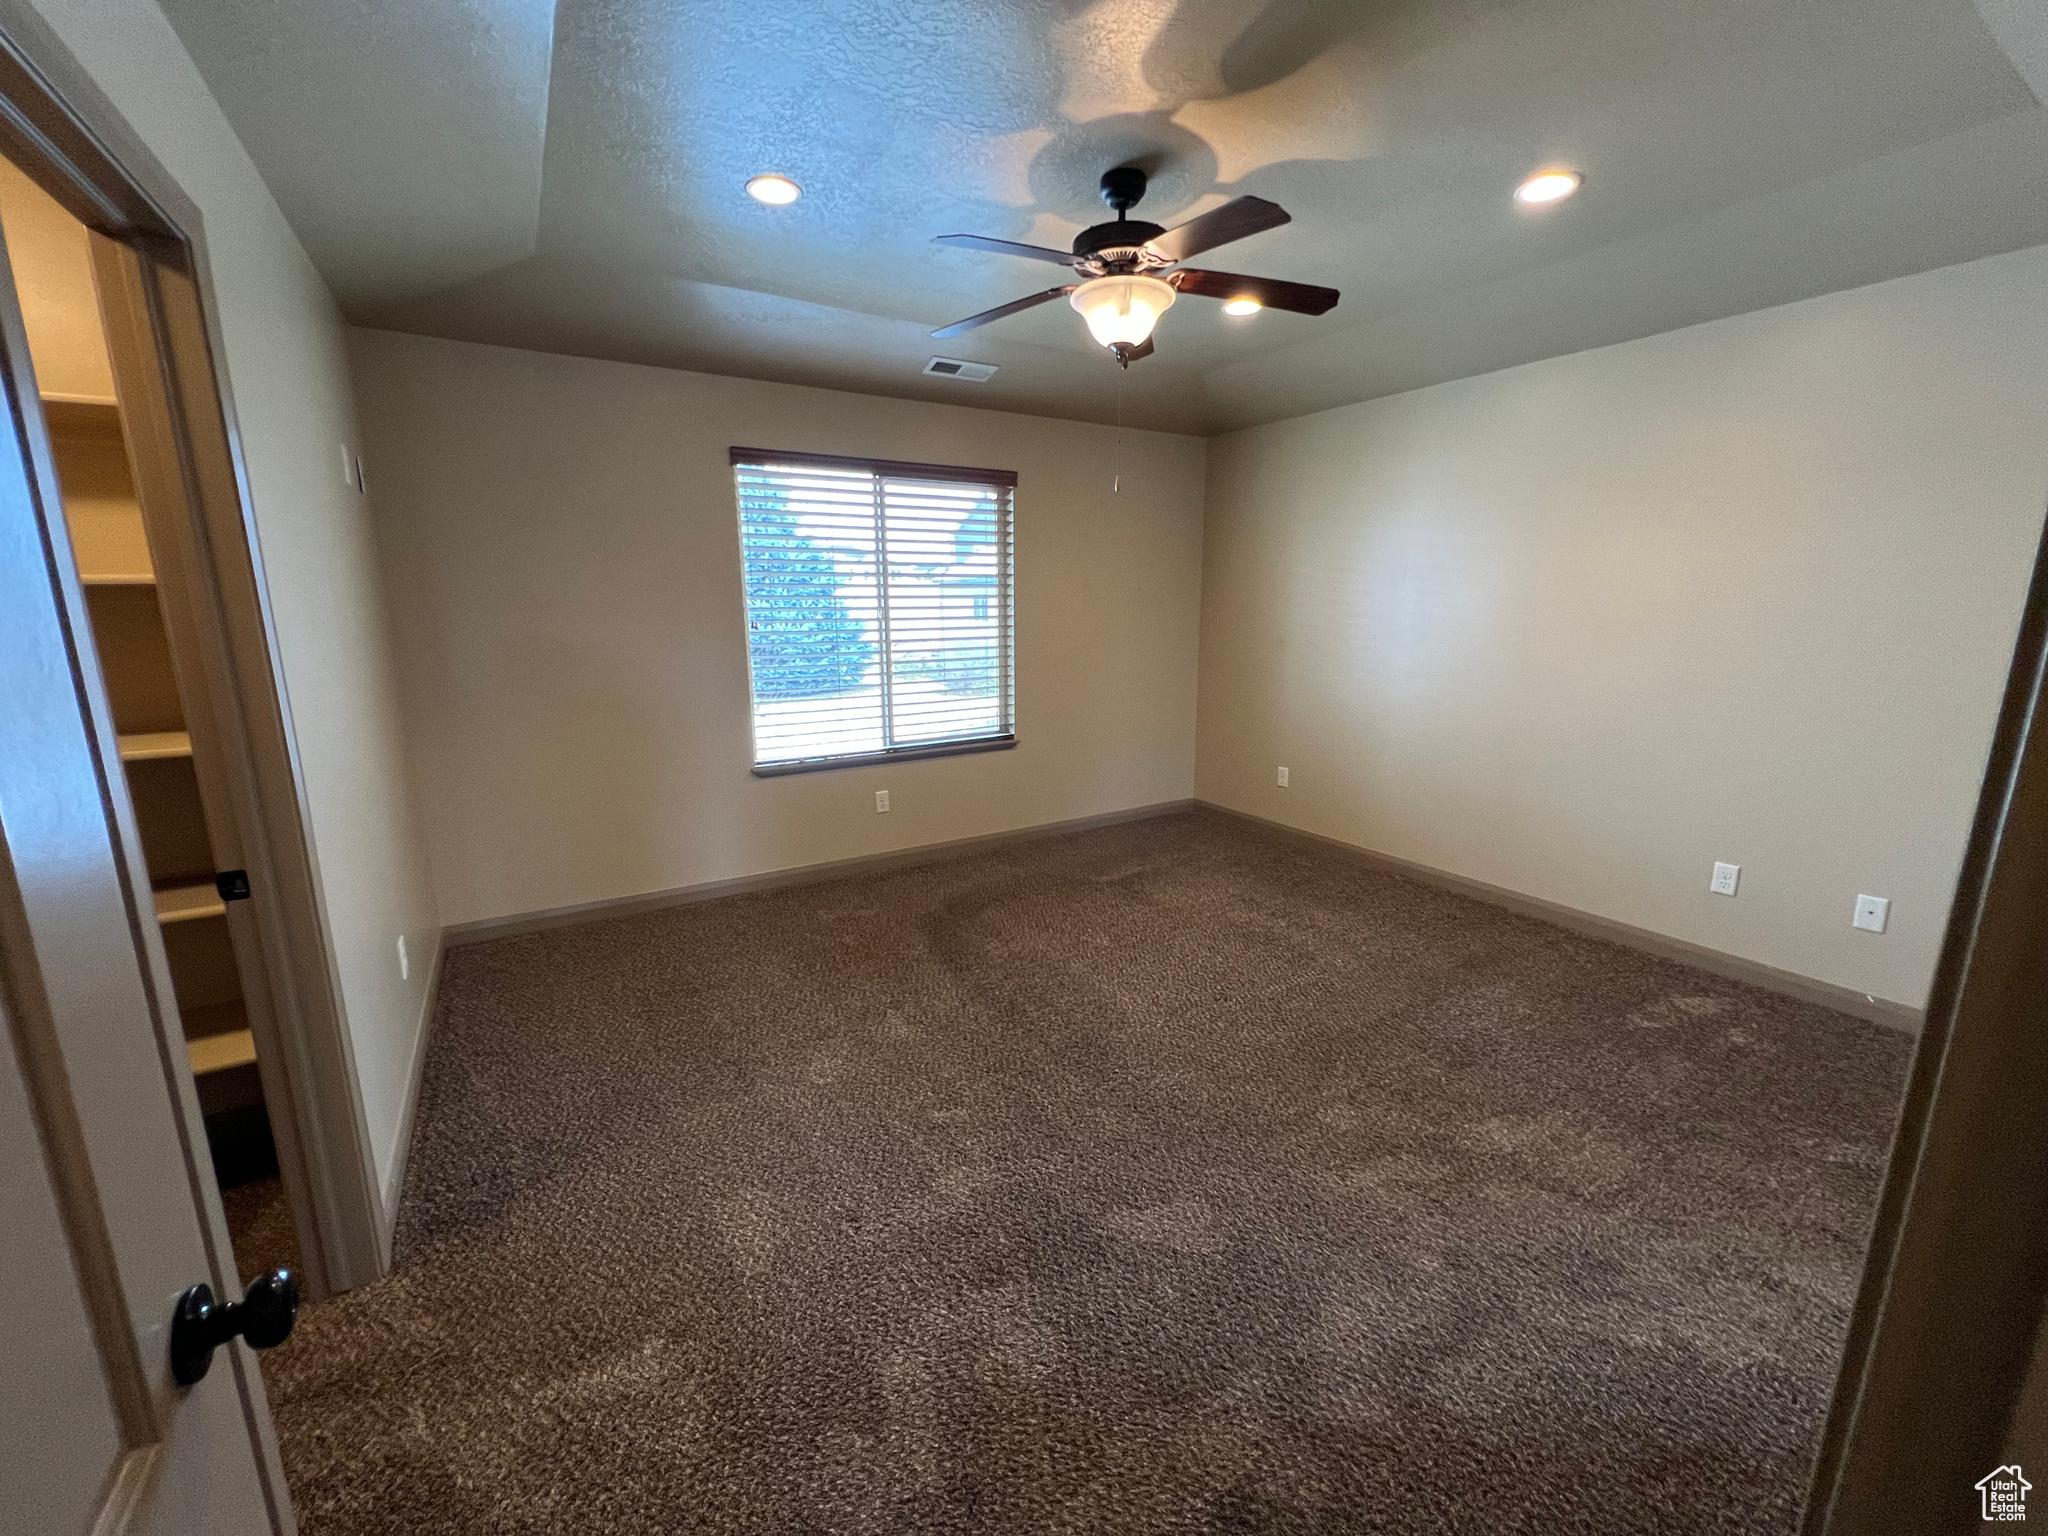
x=62 y=132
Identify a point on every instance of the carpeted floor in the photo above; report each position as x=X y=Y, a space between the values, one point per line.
x=260 y=1226
x=1167 y=1177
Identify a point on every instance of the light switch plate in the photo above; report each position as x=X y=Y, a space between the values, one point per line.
x=1283 y=778
x=1872 y=912
x=1726 y=877
x=881 y=801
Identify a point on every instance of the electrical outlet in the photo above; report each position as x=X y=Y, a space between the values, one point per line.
x=1283 y=778
x=1725 y=878
x=881 y=801
x=348 y=466
x=1872 y=912
x=404 y=961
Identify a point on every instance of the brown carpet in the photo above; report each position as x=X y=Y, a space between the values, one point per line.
x=1168 y=1177
x=260 y=1226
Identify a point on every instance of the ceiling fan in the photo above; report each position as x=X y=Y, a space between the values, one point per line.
x=1131 y=271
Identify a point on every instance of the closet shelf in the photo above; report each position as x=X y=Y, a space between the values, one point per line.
x=117 y=578
x=187 y=903
x=222 y=1053
x=149 y=746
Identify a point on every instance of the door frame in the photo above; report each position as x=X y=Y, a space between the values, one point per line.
x=156 y=294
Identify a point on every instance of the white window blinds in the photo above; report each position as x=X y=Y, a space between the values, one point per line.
x=878 y=607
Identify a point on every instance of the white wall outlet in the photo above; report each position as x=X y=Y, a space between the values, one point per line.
x=404 y=961
x=881 y=801
x=1725 y=879
x=1283 y=778
x=1872 y=912
x=348 y=466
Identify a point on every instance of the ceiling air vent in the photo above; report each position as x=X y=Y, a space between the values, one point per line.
x=954 y=368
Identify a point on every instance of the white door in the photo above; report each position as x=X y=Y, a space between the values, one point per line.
x=108 y=1208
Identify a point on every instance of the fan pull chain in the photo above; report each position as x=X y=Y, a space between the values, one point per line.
x=1116 y=482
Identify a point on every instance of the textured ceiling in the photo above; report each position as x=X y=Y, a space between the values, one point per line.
x=568 y=175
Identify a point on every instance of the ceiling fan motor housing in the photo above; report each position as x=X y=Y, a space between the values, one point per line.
x=1117 y=246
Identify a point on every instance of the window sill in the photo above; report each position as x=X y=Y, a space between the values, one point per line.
x=892 y=755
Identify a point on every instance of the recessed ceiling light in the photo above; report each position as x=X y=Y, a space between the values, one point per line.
x=776 y=191
x=1547 y=187
x=1242 y=306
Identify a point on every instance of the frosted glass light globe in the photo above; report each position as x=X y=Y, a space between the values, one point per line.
x=1123 y=308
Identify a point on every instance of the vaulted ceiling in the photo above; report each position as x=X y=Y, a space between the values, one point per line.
x=569 y=176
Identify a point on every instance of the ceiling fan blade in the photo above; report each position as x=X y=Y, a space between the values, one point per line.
x=1301 y=298
x=1004 y=248
x=1219 y=226
x=1011 y=308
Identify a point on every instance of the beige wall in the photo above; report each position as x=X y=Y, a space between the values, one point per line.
x=288 y=368
x=562 y=557
x=1746 y=591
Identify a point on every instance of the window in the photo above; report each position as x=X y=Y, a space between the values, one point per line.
x=878 y=607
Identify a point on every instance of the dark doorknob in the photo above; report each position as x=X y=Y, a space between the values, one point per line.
x=263 y=1318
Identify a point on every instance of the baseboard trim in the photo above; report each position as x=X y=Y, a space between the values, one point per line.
x=394 y=1185
x=484 y=929
x=1806 y=989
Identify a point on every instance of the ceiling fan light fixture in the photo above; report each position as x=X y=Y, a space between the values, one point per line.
x=775 y=191
x=1122 y=308
x=1547 y=187
x=1242 y=306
